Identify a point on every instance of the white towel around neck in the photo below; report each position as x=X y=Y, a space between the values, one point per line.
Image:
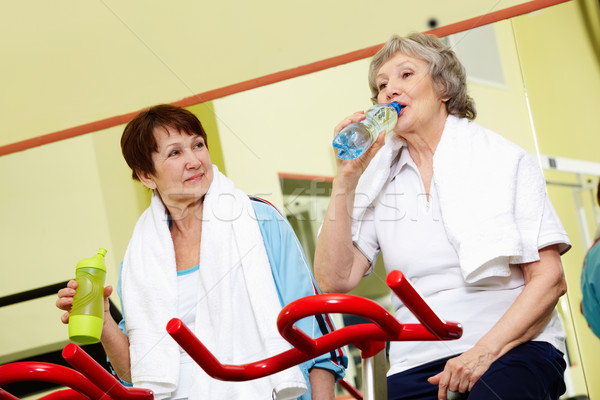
x=491 y=195
x=237 y=305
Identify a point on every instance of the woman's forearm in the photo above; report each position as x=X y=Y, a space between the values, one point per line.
x=116 y=347
x=335 y=254
x=531 y=311
x=322 y=384
x=338 y=265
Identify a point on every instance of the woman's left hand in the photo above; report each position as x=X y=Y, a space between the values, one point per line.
x=461 y=373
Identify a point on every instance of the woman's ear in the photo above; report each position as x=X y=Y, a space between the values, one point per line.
x=146 y=179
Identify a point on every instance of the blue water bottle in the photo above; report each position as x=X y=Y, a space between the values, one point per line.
x=356 y=138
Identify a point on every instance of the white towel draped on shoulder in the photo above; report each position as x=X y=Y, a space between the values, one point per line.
x=237 y=305
x=491 y=195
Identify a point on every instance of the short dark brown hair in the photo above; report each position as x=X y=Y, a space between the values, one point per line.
x=138 y=141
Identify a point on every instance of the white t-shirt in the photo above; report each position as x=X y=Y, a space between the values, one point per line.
x=187 y=286
x=408 y=230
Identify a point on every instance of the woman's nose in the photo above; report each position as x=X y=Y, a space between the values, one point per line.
x=192 y=162
x=393 y=89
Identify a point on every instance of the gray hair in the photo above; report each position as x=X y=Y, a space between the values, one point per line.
x=447 y=73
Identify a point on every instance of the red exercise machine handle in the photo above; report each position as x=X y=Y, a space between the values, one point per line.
x=90 y=381
x=370 y=338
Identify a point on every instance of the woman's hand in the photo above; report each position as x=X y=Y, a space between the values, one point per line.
x=531 y=311
x=461 y=373
x=65 y=299
x=351 y=170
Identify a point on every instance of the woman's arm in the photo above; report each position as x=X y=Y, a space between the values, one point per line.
x=339 y=265
x=114 y=341
x=544 y=285
x=322 y=384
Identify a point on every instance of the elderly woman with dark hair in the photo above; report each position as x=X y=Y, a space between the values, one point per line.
x=224 y=263
x=464 y=214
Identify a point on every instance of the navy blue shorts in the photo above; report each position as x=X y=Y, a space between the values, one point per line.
x=532 y=370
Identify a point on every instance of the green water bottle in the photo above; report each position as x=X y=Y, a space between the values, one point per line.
x=87 y=312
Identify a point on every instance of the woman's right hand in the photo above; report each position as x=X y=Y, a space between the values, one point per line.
x=351 y=170
x=65 y=299
x=114 y=342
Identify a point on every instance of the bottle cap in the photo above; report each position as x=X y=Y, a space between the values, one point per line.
x=397 y=106
x=94 y=262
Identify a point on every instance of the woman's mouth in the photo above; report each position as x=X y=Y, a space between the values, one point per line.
x=195 y=178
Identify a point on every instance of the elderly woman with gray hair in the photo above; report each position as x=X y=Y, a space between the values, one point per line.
x=464 y=214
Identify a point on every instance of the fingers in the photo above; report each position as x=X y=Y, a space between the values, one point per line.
x=357 y=116
x=107 y=292
x=456 y=378
x=65 y=318
x=472 y=380
x=443 y=386
x=435 y=380
x=370 y=153
x=464 y=386
x=65 y=298
x=365 y=159
x=441 y=380
x=449 y=381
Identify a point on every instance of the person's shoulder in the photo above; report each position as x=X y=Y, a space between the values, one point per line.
x=492 y=139
x=593 y=255
x=264 y=209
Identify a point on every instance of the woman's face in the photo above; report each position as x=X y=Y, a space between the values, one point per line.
x=183 y=170
x=406 y=79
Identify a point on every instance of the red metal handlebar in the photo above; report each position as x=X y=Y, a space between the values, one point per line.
x=45 y=372
x=85 y=364
x=96 y=383
x=369 y=338
x=444 y=330
x=90 y=381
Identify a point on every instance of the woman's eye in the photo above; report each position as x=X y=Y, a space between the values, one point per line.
x=406 y=74
x=382 y=86
x=173 y=153
x=199 y=145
